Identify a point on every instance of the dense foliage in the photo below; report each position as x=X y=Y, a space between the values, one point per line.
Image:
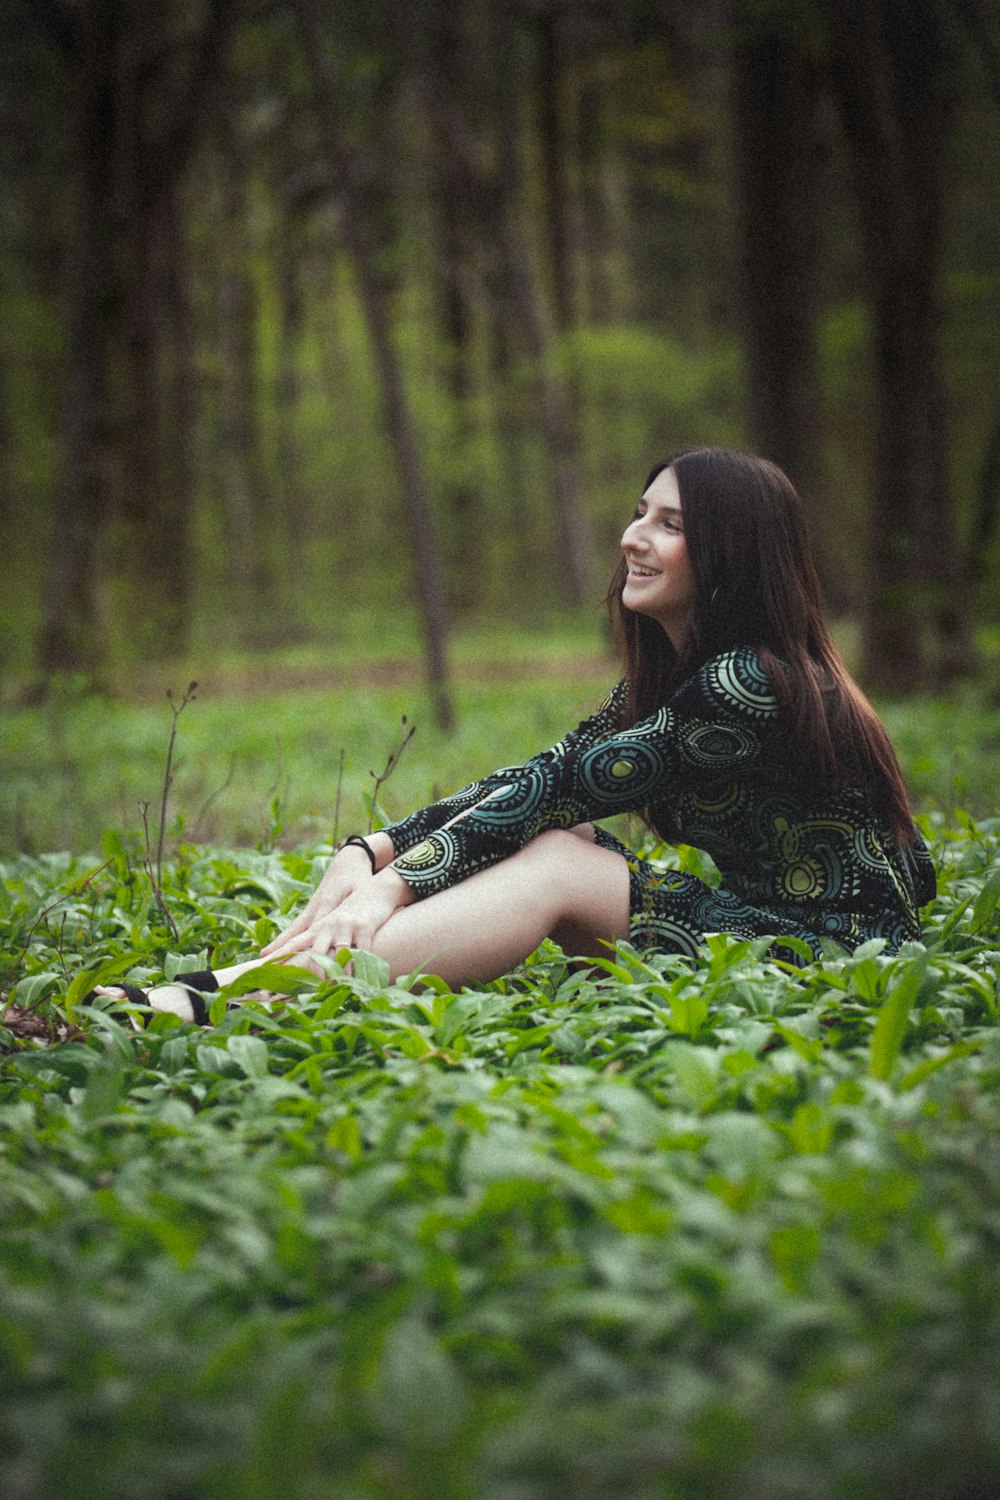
x=655 y=1229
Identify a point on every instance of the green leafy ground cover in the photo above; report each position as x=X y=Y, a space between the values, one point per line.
x=666 y=1230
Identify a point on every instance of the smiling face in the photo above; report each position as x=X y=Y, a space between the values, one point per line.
x=659 y=582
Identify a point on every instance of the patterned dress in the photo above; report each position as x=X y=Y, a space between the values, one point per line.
x=713 y=768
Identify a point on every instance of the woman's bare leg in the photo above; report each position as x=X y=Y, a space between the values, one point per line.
x=560 y=885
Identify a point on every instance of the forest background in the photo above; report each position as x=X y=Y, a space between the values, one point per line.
x=336 y=329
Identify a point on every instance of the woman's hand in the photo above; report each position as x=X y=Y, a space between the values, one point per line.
x=352 y=923
x=349 y=871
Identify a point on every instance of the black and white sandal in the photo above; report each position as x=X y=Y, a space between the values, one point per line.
x=188 y=1004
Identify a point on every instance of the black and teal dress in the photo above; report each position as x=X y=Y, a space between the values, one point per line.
x=714 y=768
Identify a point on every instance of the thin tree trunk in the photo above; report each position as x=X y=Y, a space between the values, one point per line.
x=576 y=548
x=987 y=513
x=445 y=62
x=778 y=186
x=154 y=515
x=68 y=640
x=555 y=151
x=889 y=67
x=288 y=387
x=181 y=405
x=245 y=499
x=398 y=418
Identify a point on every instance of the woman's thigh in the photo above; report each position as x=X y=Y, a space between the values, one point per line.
x=558 y=885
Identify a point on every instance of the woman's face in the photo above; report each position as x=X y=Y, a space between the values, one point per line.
x=659 y=583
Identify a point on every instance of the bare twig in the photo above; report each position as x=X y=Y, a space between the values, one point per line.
x=168 y=775
x=203 y=809
x=336 y=800
x=390 y=766
x=151 y=874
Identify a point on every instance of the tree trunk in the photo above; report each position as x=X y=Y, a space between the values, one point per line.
x=452 y=206
x=180 y=421
x=554 y=154
x=135 y=124
x=156 y=524
x=573 y=530
x=889 y=65
x=246 y=505
x=778 y=185
x=288 y=389
x=398 y=418
x=69 y=638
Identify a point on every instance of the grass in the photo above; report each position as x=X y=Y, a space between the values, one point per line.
x=259 y=749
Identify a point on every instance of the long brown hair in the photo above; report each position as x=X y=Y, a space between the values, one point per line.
x=756 y=585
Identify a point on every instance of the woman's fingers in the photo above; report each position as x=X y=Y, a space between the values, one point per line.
x=280 y=938
x=311 y=913
x=325 y=900
x=350 y=919
x=327 y=935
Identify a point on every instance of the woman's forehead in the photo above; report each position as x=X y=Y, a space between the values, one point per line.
x=664 y=490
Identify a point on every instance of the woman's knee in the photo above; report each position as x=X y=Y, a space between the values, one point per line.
x=585 y=886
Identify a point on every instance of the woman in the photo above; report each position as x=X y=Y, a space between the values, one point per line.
x=736 y=728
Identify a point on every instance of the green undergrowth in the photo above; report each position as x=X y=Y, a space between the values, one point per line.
x=660 y=1229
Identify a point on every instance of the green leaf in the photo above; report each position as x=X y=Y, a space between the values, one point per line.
x=986 y=902
x=251 y=1053
x=277 y=979
x=371 y=970
x=103 y=1091
x=420 y=1395
x=890 y=1028
x=87 y=979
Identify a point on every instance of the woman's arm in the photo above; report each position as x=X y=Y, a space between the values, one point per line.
x=704 y=732
x=362 y=898
x=410 y=831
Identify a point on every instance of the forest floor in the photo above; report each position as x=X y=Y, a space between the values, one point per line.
x=284 y=746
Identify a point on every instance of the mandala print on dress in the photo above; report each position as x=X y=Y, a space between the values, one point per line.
x=741 y=682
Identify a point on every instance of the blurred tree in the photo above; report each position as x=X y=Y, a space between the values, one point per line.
x=891 y=68
x=573 y=536
x=442 y=62
x=778 y=180
x=248 y=503
x=135 y=92
x=396 y=407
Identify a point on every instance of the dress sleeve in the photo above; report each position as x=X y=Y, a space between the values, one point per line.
x=701 y=733
x=411 y=830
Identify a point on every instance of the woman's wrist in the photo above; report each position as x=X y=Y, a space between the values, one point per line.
x=377 y=848
x=355 y=841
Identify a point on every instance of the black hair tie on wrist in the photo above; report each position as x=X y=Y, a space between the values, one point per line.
x=356 y=838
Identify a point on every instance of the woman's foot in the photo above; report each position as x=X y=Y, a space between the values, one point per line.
x=182 y=997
